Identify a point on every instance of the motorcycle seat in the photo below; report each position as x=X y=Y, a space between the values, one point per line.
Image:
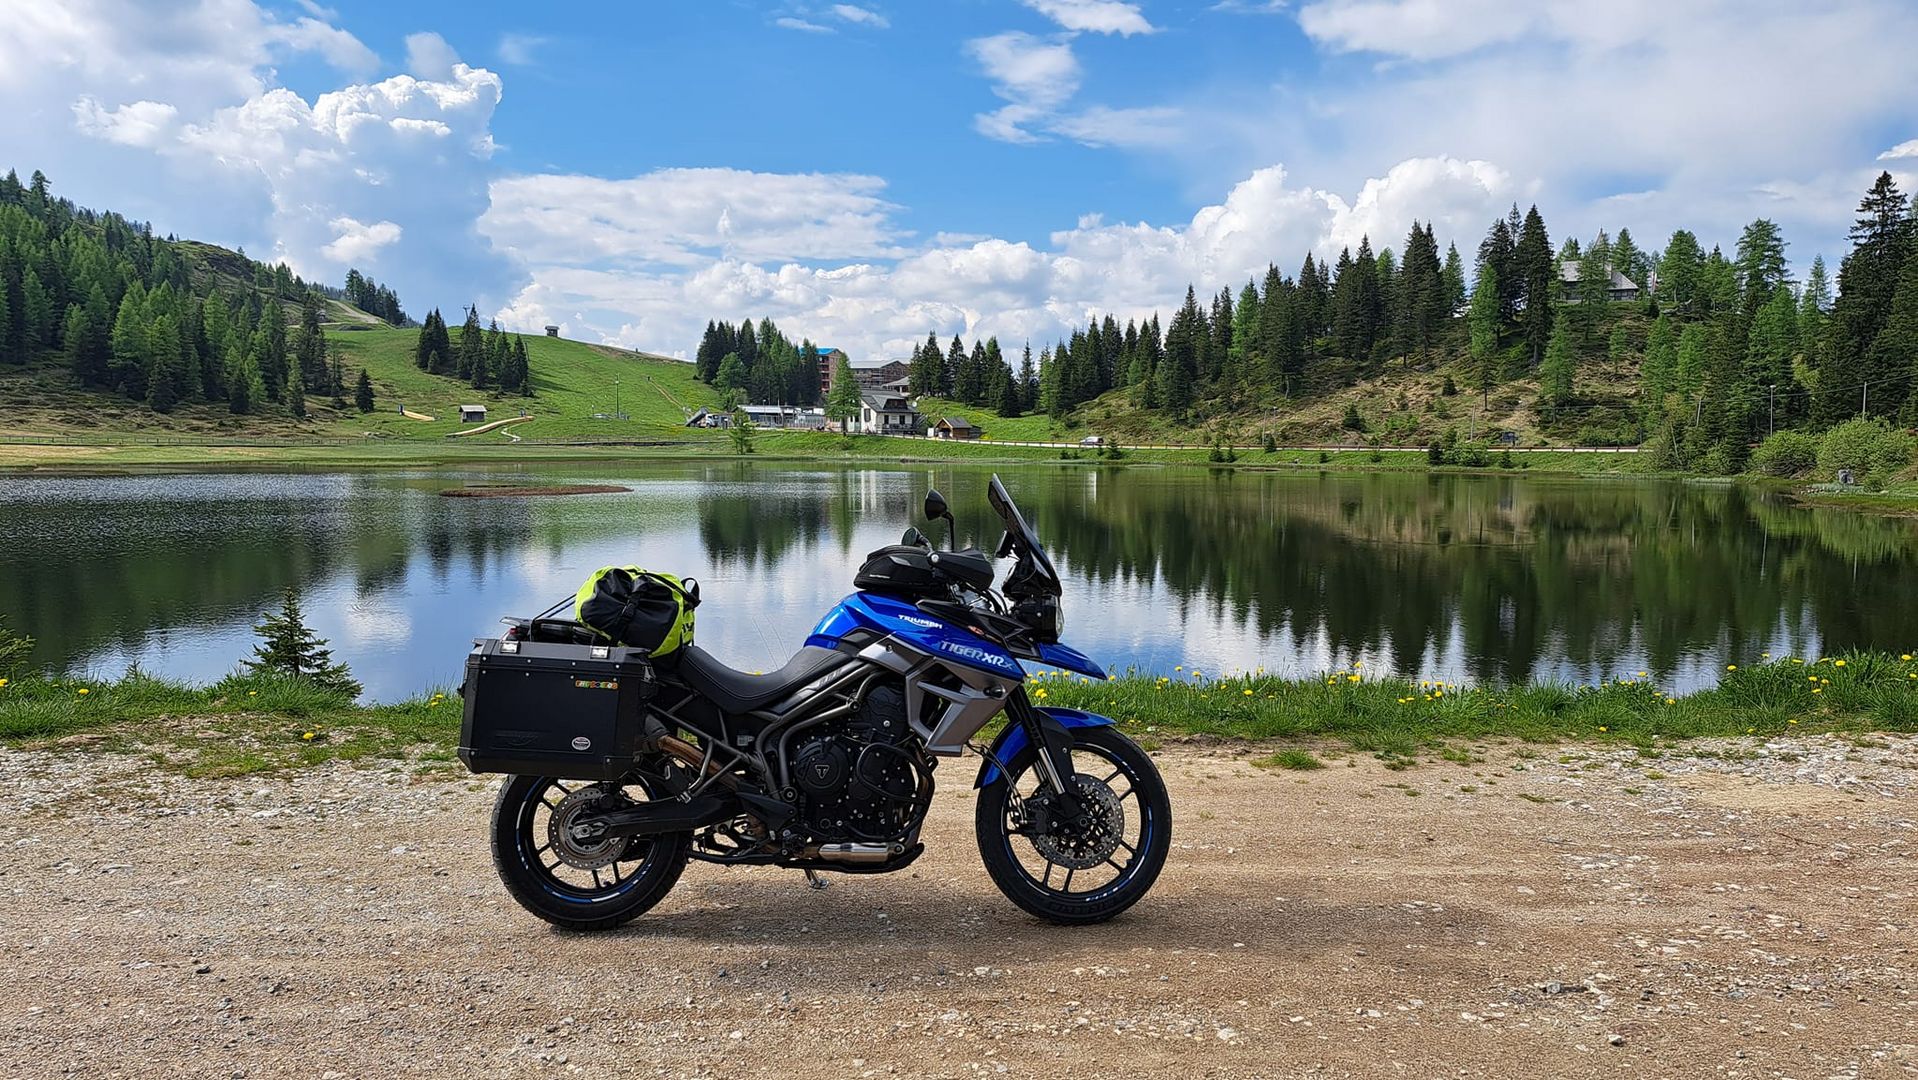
x=738 y=692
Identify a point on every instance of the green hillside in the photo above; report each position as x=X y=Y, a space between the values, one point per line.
x=573 y=392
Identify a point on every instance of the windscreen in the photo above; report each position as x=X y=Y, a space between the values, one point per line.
x=1026 y=540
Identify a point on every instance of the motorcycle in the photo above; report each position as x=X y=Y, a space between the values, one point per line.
x=827 y=764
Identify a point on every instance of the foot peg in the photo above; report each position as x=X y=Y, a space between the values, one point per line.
x=814 y=881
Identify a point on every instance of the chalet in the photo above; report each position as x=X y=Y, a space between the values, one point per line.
x=892 y=375
x=1620 y=288
x=472 y=414
x=953 y=427
x=885 y=413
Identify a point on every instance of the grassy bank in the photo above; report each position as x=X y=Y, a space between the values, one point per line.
x=259 y=724
x=108 y=457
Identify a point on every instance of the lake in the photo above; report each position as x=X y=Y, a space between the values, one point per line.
x=1481 y=578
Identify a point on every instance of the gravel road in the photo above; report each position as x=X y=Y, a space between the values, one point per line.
x=1579 y=914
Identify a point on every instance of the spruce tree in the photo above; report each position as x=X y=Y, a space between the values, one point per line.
x=1533 y=260
x=1893 y=359
x=1483 y=322
x=296 y=393
x=1453 y=275
x=363 y=392
x=163 y=364
x=1658 y=373
x=1760 y=263
x=522 y=368
x=289 y=647
x=1867 y=284
x=471 y=351
x=1028 y=382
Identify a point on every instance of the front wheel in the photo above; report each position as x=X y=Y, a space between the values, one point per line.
x=576 y=885
x=1084 y=868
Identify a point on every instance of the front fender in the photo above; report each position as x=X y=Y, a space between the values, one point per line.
x=1014 y=739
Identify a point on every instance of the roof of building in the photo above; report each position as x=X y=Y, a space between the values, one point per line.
x=1568 y=274
x=472 y=408
x=957 y=423
x=886 y=402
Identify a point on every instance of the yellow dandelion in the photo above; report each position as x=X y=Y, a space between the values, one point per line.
x=84 y=690
x=1641 y=675
x=1792 y=721
x=3 y=682
x=1811 y=678
x=1039 y=693
x=1602 y=727
x=1351 y=678
x=1438 y=693
x=308 y=736
x=1906 y=656
x=1179 y=667
x=1837 y=663
x=1815 y=690
x=1671 y=701
x=252 y=693
x=1248 y=693
x=1731 y=667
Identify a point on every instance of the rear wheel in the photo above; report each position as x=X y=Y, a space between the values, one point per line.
x=574 y=885
x=1079 y=869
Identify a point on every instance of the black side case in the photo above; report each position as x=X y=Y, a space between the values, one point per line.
x=568 y=711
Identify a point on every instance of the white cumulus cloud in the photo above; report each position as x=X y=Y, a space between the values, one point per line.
x=137 y=123
x=853 y=13
x=1094 y=16
x=665 y=266
x=358 y=241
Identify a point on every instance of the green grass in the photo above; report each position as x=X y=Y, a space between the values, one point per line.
x=572 y=381
x=256 y=724
x=1401 y=719
x=238 y=726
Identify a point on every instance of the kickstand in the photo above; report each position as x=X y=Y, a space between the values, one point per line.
x=814 y=881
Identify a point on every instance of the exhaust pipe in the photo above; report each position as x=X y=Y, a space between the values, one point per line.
x=858 y=853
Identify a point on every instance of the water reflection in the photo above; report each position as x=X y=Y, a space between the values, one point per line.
x=1500 y=578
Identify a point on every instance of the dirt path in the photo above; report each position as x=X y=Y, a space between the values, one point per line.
x=1531 y=917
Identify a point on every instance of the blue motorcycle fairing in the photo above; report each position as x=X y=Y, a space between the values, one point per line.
x=1071 y=659
x=900 y=618
x=1014 y=739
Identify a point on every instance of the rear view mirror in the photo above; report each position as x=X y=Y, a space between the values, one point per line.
x=935 y=505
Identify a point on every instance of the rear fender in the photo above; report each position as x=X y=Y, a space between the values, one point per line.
x=1013 y=739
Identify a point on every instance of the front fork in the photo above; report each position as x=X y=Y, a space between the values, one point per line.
x=1054 y=744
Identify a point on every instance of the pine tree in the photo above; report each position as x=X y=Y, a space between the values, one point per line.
x=243 y=389
x=363 y=392
x=1532 y=257
x=1658 y=372
x=1760 y=263
x=38 y=317
x=289 y=647
x=296 y=393
x=1453 y=275
x=1867 y=284
x=1692 y=361
x=1182 y=348
x=163 y=364
x=1679 y=272
x=522 y=368
x=949 y=367
x=1028 y=382
x=1557 y=371
x=471 y=351
x=1628 y=260
x=1483 y=322
x=1893 y=358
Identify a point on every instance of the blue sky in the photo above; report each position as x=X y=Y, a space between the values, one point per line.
x=866 y=173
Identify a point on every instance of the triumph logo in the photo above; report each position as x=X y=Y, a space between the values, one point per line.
x=927 y=623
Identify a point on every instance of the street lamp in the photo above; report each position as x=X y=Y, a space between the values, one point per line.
x=615 y=399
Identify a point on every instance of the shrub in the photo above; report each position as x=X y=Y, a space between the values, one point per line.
x=1435 y=453
x=1505 y=459
x=1786 y=453
x=1352 y=421
x=1269 y=444
x=1450 y=388
x=1324 y=457
x=1872 y=449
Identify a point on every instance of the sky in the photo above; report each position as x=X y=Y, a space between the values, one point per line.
x=866 y=173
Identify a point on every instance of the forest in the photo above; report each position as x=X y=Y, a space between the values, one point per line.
x=166 y=321
x=1712 y=354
